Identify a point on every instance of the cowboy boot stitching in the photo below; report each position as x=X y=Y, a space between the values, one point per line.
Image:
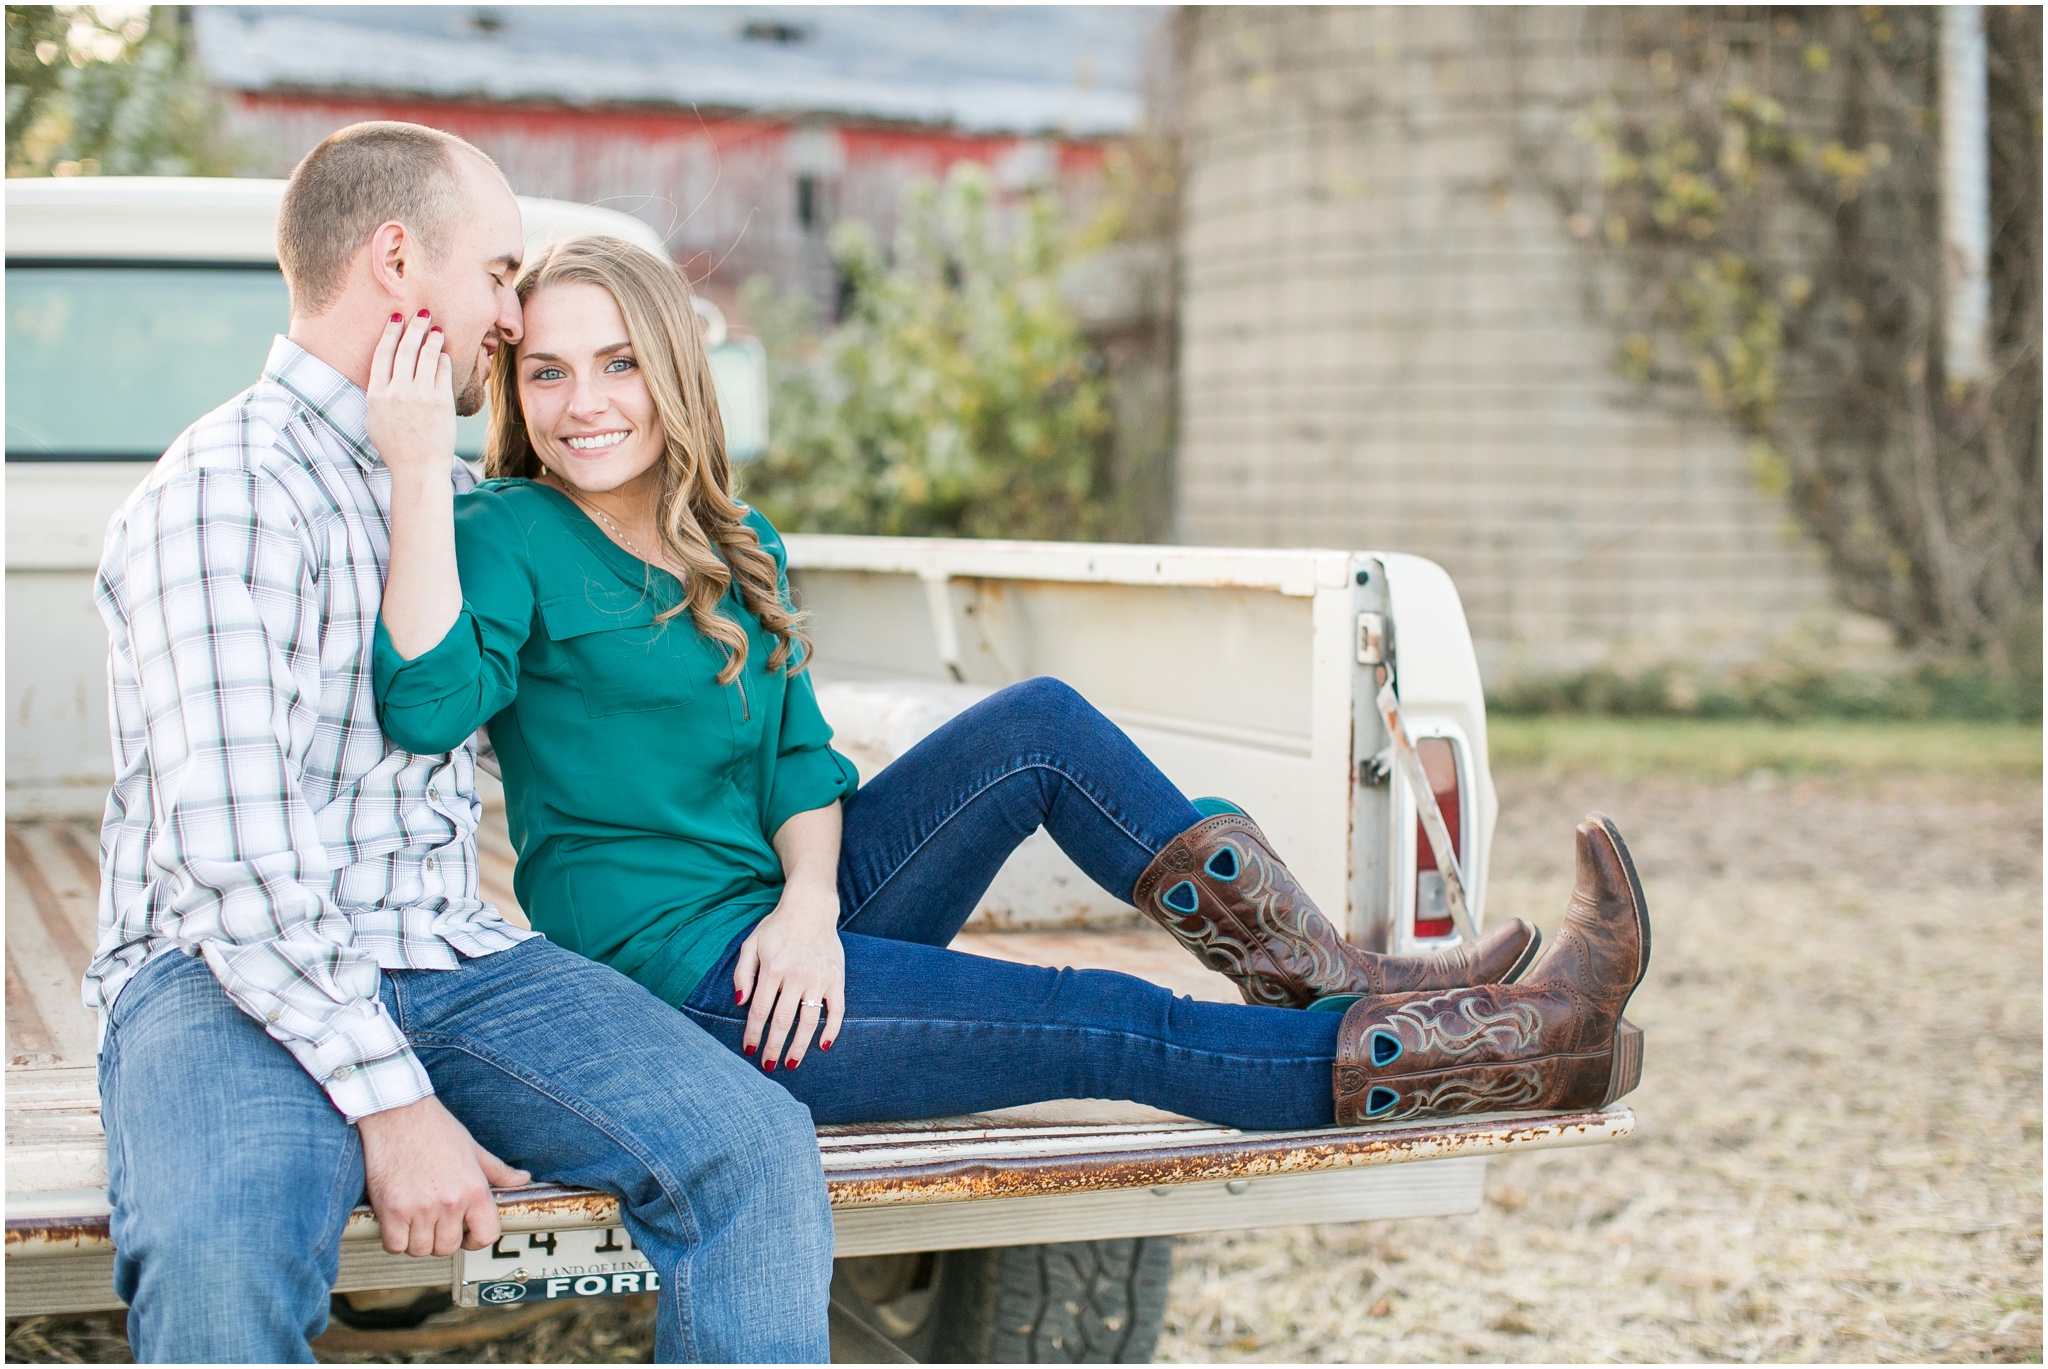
x=1272 y=895
x=1455 y=1026
x=1263 y=931
x=1398 y=1055
x=1278 y=979
x=1493 y=1089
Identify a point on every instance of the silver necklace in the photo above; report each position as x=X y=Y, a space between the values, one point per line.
x=617 y=531
x=607 y=520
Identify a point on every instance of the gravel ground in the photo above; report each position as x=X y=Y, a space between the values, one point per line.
x=1838 y=1148
x=1838 y=1152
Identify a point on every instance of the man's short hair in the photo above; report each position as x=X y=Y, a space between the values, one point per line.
x=358 y=178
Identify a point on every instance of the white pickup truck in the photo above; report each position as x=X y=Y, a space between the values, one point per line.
x=1040 y=1234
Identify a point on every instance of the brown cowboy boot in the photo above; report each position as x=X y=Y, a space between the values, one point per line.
x=1554 y=1040
x=1220 y=889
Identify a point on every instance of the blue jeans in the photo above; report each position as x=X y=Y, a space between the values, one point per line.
x=930 y=1032
x=231 y=1173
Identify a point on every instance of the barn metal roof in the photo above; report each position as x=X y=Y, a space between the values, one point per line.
x=1010 y=69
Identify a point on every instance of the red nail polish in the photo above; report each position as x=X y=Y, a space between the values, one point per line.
x=768 y=1065
x=739 y=996
x=824 y=1045
x=397 y=317
x=789 y=1064
x=435 y=329
x=747 y=1049
x=423 y=313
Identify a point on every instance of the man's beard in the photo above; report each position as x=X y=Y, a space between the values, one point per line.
x=474 y=390
x=471 y=400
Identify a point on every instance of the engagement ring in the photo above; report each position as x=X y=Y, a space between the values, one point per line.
x=812 y=1002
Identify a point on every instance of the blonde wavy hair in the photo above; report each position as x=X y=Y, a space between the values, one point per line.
x=703 y=527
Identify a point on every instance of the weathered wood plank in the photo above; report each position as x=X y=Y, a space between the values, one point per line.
x=42 y=878
x=43 y=966
x=29 y=1042
x=80 y=844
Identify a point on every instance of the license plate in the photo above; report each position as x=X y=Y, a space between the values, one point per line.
x=540 y=1266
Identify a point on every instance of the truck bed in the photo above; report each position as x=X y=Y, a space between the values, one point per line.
x=1070 y=1170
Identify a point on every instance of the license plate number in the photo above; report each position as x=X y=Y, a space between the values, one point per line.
x=540 y=1266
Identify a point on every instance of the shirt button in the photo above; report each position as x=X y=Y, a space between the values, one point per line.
x=272 y=1015
x=344 y=1072
x=433 y=862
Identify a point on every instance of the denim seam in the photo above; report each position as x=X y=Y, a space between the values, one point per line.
x=1014 y=769
x=921 y=1022
x=110 y=1098
x=669 y=1187
x=110 y=1050
x=398 y=1013
x=343 y=1199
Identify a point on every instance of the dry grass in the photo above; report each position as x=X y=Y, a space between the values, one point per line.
x=1731 y=748
x=1839 y=1150
x=1838 y=1153
x=597 y=1331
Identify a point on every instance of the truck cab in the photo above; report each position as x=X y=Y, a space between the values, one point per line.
x=134 y=305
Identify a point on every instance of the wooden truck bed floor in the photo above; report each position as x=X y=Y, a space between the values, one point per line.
x=1071 y=1170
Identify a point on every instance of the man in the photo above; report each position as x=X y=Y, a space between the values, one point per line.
x=301 y=994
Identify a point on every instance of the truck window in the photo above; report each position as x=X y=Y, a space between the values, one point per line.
x=110 y=361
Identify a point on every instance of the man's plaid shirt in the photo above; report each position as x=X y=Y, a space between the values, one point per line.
x=258 y=815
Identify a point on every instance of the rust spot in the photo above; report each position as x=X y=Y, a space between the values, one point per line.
x=52 y=1234
x=539 y=1209
x=1204 y=1158
x=1242 y=1156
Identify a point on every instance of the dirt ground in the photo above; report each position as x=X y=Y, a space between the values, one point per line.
x=1838 y=1148
x=1838 y=1153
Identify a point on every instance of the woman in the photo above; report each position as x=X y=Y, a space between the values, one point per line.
x=623 y=625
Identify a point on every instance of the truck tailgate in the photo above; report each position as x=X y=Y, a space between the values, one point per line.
x=1072 y=1170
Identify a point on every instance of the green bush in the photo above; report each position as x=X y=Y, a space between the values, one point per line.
x=955 y=397
x=99 y=90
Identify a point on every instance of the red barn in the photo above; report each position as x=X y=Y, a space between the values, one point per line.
x=742 y=134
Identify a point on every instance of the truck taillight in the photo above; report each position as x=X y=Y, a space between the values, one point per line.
x=1439 y=757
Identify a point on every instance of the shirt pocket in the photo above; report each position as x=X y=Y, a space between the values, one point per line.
x=625 y=662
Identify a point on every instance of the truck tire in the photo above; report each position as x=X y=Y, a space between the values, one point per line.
x=1075 y=1302
x=382 y=1310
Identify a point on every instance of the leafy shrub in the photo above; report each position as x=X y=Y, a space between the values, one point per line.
x=955 y=397
x=97 y=90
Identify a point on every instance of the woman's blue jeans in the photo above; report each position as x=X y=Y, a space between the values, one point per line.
x=930 y=1032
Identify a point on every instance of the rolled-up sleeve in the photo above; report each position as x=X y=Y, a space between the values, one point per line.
x=434 y=701
x=808 y=772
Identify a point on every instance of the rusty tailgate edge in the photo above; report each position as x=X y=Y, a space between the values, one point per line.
x=1209 y=1161
x=983 y=1178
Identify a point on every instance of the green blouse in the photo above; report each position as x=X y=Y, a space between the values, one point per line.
x=642 y=794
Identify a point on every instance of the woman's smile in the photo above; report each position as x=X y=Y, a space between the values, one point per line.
x=597 y=442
